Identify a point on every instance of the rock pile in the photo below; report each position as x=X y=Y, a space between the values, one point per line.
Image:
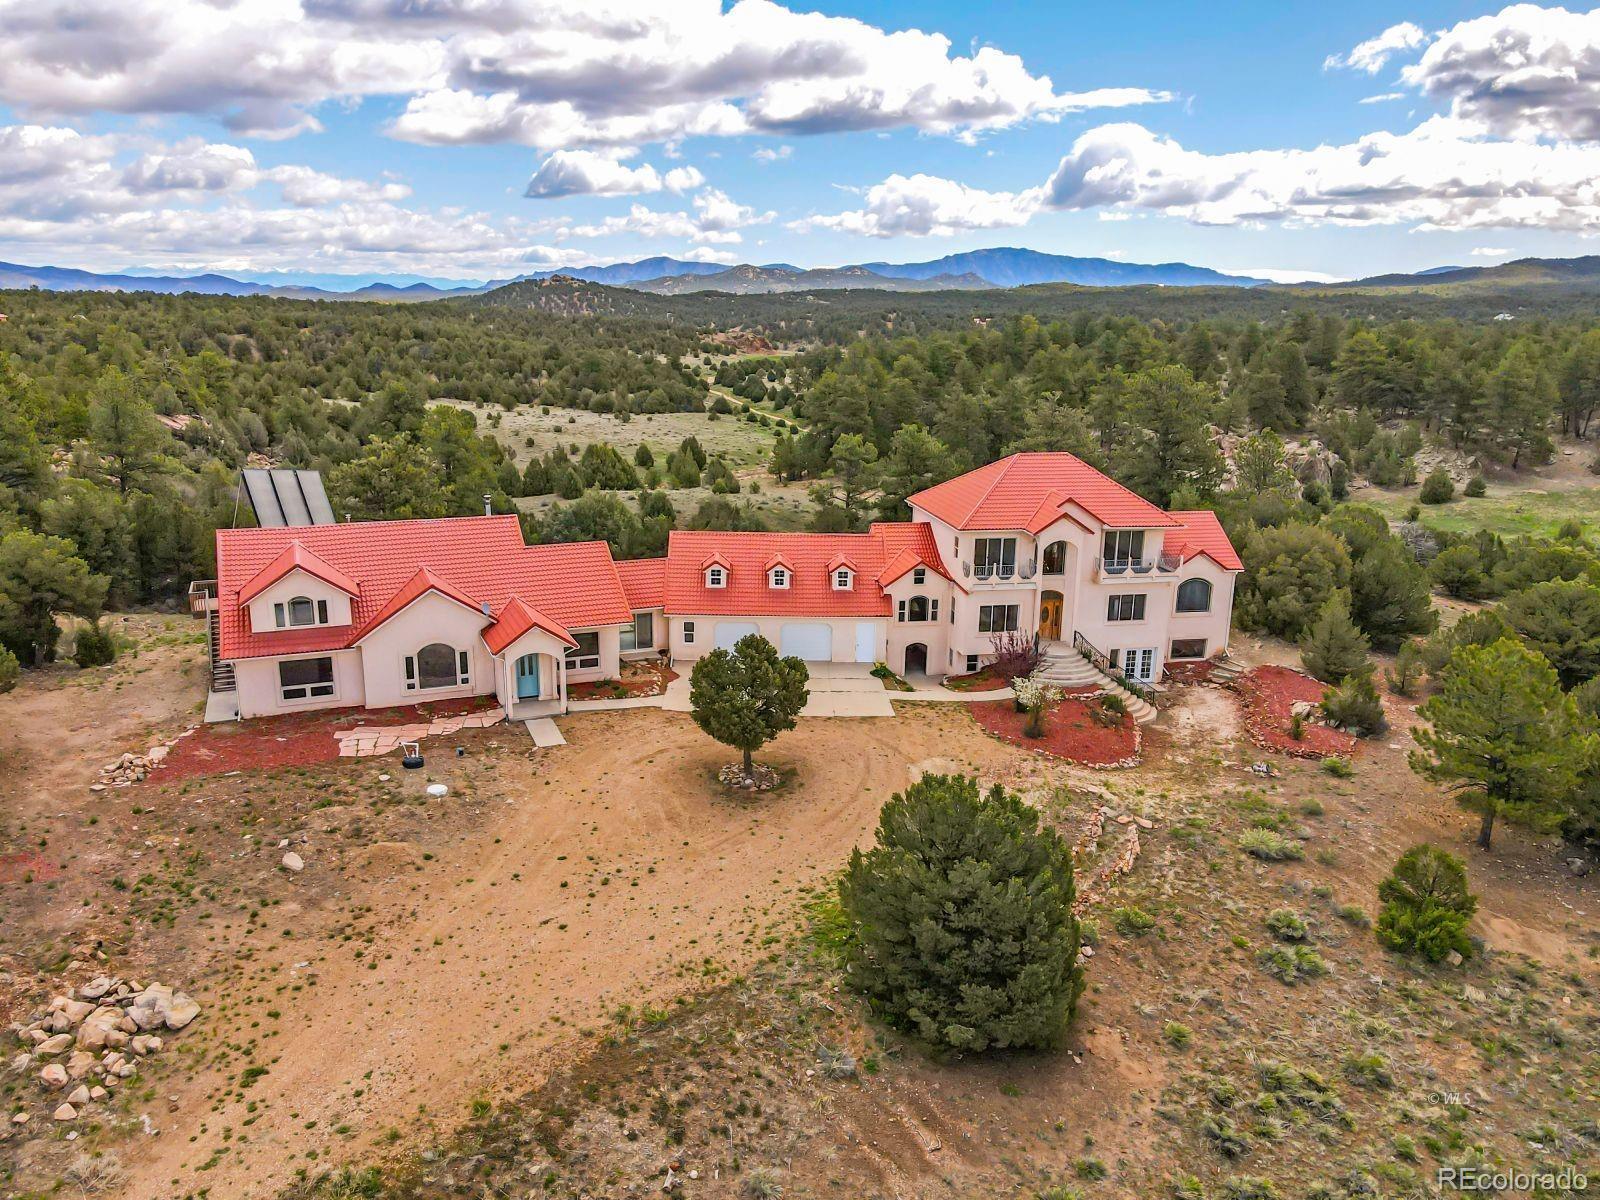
x=133 y=768
x=91 y=1039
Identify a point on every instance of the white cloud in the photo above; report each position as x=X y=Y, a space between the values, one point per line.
x=1382 y=98
x=1370 y=55
x=553 y=74
x=927 y=205
x=716 y=219
x=1489 y=251
x=1444 y=174
x=1526 y=71
x=588 y=173
x=1284 y=274
x=769 y=154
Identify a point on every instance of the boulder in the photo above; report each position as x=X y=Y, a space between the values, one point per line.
x=293 y=863
x=98 y=1025
x=55 y=1045
x=181 y=1011
x=78 y=1096
x=79 y=1063
x=97 y=987
x=76 y=1010
x=98 y=1093
x=20 y=1118
x=22 y=1061
x=55 y=1075
x=65 y=1113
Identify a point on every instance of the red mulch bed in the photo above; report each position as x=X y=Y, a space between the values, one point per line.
x=294 y=740
x=984 y=680
x=1070 y=732
x=1269 y=694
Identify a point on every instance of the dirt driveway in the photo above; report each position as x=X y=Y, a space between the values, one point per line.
x=608 y=872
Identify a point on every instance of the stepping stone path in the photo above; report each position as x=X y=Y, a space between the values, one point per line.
x=366 y=740
x=108 y=1025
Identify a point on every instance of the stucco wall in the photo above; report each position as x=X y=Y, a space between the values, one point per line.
x=658 y=643
x=843 y=634
x=297 y=583
x=933 y=634
x=259 y=694
x=431 y=619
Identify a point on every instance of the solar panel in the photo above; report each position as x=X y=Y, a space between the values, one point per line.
x=286 y=497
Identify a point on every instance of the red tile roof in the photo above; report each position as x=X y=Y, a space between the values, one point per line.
x=1011 y=493
x=1202 y=533
x=812 y=557
x=418 y=586
x=909 y=544
x=483 y=558
x=645 y=581
x=515 y=619
x=296 y=557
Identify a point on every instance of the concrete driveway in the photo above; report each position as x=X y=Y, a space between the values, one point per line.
x=837 y=690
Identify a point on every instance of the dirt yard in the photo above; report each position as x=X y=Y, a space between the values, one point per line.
x=588 y=966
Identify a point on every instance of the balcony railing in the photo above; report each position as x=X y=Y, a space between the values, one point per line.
x=202 y=596
x=1120 y=568
x=999 y=573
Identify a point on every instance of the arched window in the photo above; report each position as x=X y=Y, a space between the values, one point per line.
x=437 y=666
x=1055 y=558
x=918 y=609
x=1194 y=596
x=300 y=611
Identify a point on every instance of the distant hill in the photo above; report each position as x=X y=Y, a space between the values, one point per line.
x=1010 y=266
x=565 y=296
x=1571 y=273
x=746 y=280
x=69 y=279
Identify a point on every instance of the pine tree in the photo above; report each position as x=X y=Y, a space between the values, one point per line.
x=1389 y=595
x=1426 y=905
x=1167 y=439
x=1503 y=735
x=1561 y=620
x=962 y=920
x=747 y=696
x=916 y=460
x=1333 y=648
x=1355 y=705
x=1290 y=571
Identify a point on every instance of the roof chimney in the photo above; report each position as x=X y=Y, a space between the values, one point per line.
x=488 y=505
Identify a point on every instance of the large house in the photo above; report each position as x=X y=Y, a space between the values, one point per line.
x=378 y=613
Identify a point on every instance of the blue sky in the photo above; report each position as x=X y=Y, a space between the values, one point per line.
x=485 y=138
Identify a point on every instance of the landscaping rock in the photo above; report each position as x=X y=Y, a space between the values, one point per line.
x=55 y=1076
x=79 y=1096
x=65 y=1113
x=79 y=1063
x=293 y=862
x=55 y=1045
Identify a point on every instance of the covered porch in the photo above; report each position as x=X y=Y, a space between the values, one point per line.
x=531 y=676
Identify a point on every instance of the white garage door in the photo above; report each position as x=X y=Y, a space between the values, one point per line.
x=729 y=632
x=814 y=643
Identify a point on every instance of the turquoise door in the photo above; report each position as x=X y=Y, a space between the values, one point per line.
x=528 y=677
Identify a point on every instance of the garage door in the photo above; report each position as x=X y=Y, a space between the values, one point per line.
x=814 y=643
x=729 y=632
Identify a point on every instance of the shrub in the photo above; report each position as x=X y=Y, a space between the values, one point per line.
x=1291 y=964
x=762 y=1184
x=1015 y=655
x=1036 y=697
x=96 y=647
x=1248 y=1187
x=1354 y=706
x=1338 y=767
x=1475 y=488
x=1458 y=571
x=1269 y=846
x=1290 y=571
x=1370 y=1070
x=1406 y=673
x=1177 y=1034
x=993 y=963
x=1438 y=488
x=10 y=670
x=1426 y=905
x=1287 y=925
x=1333 y=648
x=1132 y=922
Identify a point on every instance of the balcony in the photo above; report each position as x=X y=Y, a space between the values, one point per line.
x=1108 y=570
x=999 y=574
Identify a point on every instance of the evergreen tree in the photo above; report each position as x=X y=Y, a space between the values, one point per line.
x=1289 y=573
x=1333 y=648
x=392 y=479
x=1166 y=443
x=962 y=924
x=1260 y=466
x=853 y=473
x=1560 y=620
x=41 y=577
x=1426 y=905
x=747 y=696
x=94 y=646
x=916 y=460
x=1355 y=706
x=1503 y=736
x=1389 y=595
x=124 y=433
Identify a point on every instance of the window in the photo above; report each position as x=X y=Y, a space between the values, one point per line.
x=1124 y=546
x=305 y=678
x=779 y=577
x=716 y=577
x=1188 y=648
x=997 y=618
x=688 y=633
x=919 y=575
x=1055 y=558
x=972 y=663
x=586 y=653
x=994 y=556
x=1194 y=595
x=842 y=579
x=1125 y=608
x=919 y=608
x=300 y=611
x=641 y=635
x=437 y=666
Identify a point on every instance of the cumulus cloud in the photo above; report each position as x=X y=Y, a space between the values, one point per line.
x=716 y=219
x=588 y=173
x=1489 y=251
x=1526 y=71
x=1370 y=55
x=770 y=154
x=1446 y=173
x=929 y=206
x=553 y=74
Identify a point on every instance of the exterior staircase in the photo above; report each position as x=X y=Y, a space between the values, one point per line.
x=222 y=678
x=1226 y=669
x=1065 y=667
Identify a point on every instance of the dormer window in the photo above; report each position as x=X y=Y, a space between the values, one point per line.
x=778 y=577
x=300 y=611
x=843 y=579
x=919 y=575
x=716 y=577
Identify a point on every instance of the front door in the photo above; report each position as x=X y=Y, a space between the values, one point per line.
x=1139 y=664
x=1050 y=616
x=528 y=677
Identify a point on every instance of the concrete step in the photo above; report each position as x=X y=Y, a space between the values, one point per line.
x=1075 y=671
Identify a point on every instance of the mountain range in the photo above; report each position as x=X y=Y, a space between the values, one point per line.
x=975 y=270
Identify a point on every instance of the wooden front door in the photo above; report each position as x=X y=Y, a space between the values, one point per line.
x=1050 y=616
